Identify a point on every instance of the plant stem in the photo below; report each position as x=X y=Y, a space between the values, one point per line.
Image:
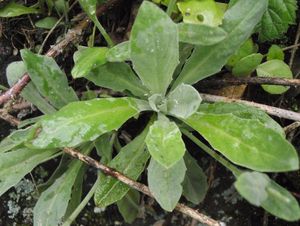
x=103 y=32
x=212 y=153
x=83 y=203
x=171 y=7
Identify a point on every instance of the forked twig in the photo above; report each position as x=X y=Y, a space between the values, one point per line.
x=281 y=113
x=139 y=186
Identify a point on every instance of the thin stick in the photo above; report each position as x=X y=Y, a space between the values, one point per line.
x=293 y=53
x=9 y=118
x=253 y=80
x=281 y=113
x=139 y=186
x=71 y=36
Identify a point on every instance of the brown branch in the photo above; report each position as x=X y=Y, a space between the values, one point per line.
x=71 y=36
x=139 y=186
x=9 y=118
x=252 y=80
x=281 y=113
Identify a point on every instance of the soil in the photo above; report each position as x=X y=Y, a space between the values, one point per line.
x=222 y=201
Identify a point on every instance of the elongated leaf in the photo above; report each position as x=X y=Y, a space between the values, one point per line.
x=165 y=184
x=274 y=68
x=16 y=139
x=199 y=34
x=13 y=9
x=247 y=65
x=53 y=203
x=118 y=77
x=46 y=23
x=14 y=72
x=239 y=22
x=84 y=121
x=164 y=142
x=129 y=206
x=89 y=6
x=14 y=165
x=242 y=111
x=87 y=59
x=154 y=47
x=260 y=190
x=104 y=147
x=183 y=101
x=195 y=182
x=130 y=161
x=50 y=81
x=276 y=20
x=246 y=142
x=119 y=53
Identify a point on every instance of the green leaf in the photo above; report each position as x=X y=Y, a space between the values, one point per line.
x=247 y=65
x=165 y=184
x=83 y=121
x=275 y=53
x=201 y=12
x=131 y=162
x=246 y=142
x=239 y=21
x=164 y=142
x=14 y=165
x=14 y=72
x=104 y=147
x=260 y=190
x=89 y=6
x=13 y=9
x=183 y=101
x=53 y=202
x=242 y=111
x=276 y=20
x=16 y=139
x=119 y=53
x=129 y=206
x=200 y=34
x=50 y=81
x=247 y=48
x=87 y=59
x=154 y=47
x=195 y=182
x=274 y=68
x=118 y=77
x=46 y=23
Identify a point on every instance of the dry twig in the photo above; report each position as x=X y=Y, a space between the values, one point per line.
x=138 y=186
x=252 y=80
x=281 y=113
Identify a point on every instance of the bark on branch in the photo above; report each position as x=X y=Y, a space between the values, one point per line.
x=139 y=186
x=281 y=113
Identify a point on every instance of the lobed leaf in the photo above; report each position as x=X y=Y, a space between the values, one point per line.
x=165 y=183
x=154 y=47
x=239 y=22
x=258 y=189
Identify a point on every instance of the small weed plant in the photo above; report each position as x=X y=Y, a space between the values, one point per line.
x=166 y=59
